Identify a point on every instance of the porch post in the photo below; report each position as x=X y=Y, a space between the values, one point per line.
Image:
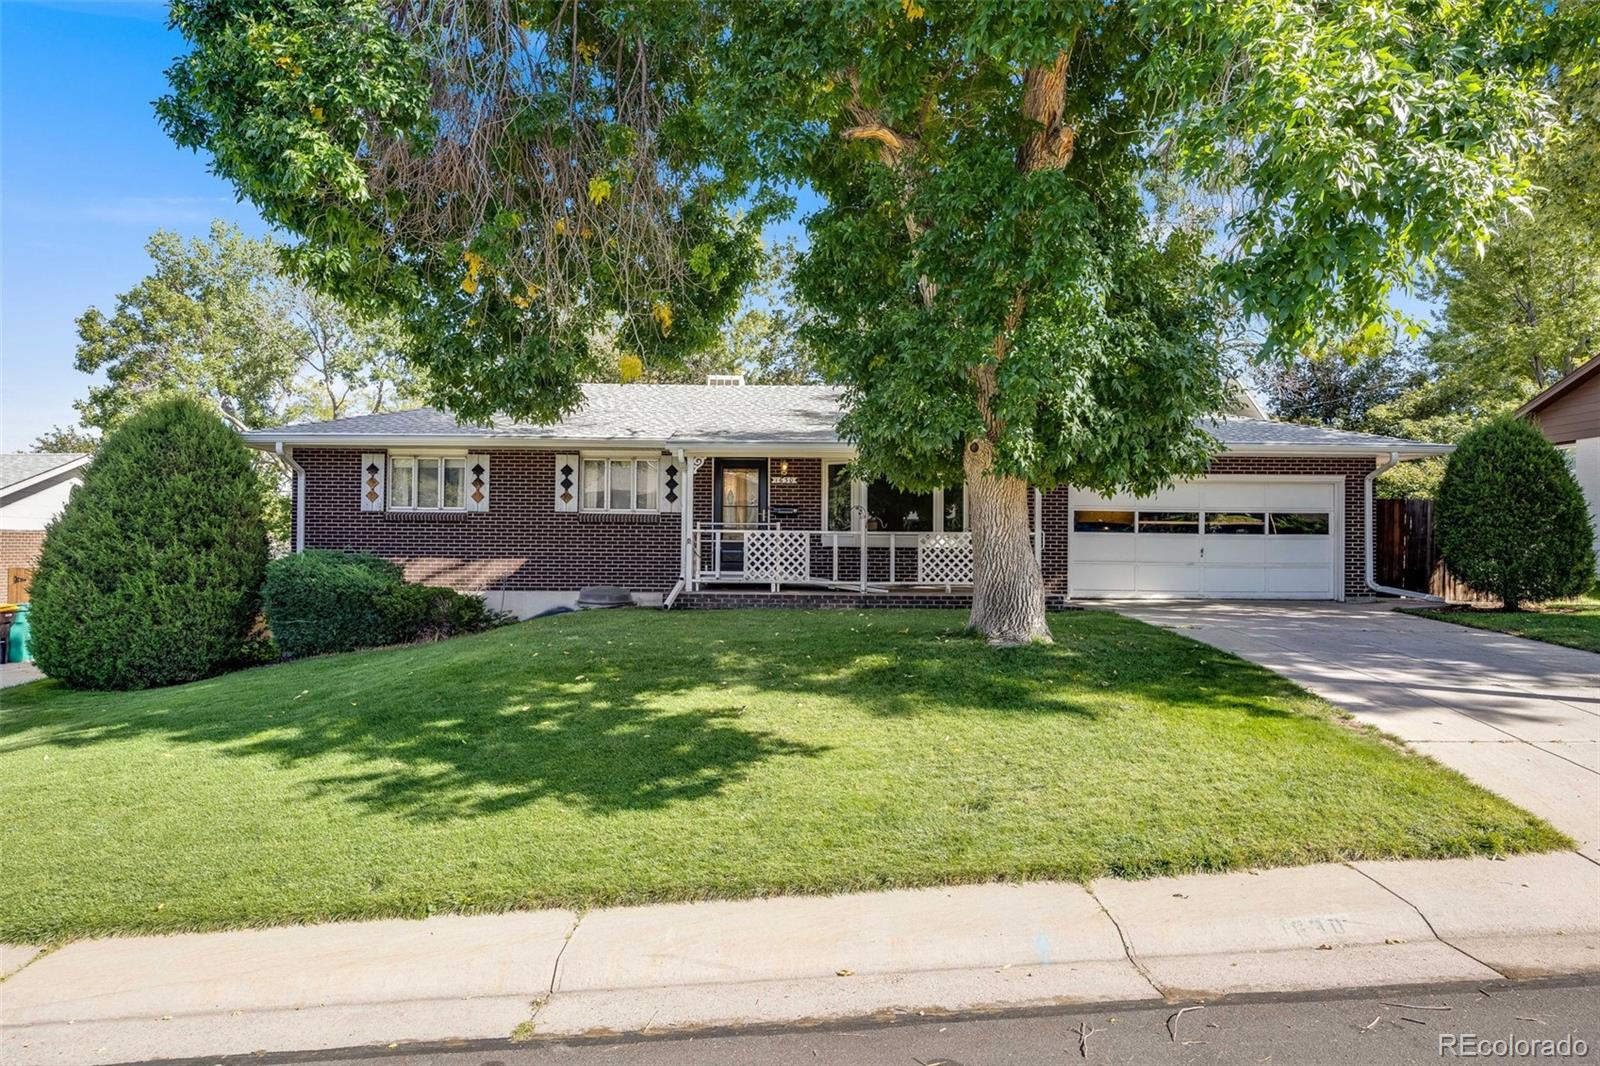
x=861 y=539
x=1038 y=527
x=686 y=520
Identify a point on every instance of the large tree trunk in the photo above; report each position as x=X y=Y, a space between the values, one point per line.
x=1007 y=588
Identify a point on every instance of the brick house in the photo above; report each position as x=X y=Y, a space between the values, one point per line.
x=34 y=487
x=725 y=494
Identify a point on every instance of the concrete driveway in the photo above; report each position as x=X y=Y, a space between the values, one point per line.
x=1517 y=716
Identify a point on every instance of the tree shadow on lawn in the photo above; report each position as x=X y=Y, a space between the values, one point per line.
x=595 y=714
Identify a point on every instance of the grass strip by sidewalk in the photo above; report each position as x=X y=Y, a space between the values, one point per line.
x=1570 y=623
x=633 y=756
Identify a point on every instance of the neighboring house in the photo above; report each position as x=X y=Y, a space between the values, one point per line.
x=710 y=495
x=34 y=487
x=1568 y=414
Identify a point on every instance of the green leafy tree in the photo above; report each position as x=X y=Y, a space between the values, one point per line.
x=66 y=439
x=216 y=319
x=1526 y=310
x=985 y=280
x=152 y=573
x=761 y=341
x=511 y=180
x=1339 y=386
x=1512 y=519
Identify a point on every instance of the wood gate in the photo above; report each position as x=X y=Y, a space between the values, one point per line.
x=1408 y=553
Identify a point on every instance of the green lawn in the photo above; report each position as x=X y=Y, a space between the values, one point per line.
x=628 y=756
x=1574 y=623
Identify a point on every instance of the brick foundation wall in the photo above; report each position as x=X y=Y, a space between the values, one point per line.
x=521 y=543
x=20 y=547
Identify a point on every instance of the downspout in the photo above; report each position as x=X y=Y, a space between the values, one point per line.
x=299 y=496
x=1372 y=539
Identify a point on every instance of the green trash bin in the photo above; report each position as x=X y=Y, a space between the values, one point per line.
x=17 y=644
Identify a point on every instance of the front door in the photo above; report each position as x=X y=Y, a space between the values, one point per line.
x=741 y=503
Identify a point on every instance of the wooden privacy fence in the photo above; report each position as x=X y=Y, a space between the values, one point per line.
x=1408 y=553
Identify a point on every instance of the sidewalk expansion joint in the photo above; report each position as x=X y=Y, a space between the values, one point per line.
x=1425 y=920
x=555 y=967
x=1127 y=948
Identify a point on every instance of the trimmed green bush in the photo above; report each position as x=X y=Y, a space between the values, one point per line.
x=1512 y=520
x=430 y=612
x=151 y=575
x=322 y=601
x=326 y=601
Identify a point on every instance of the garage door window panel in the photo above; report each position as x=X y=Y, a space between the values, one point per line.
x=1103 y=521
x=1169 y=521
x=1299 y=523
x=1236 y=523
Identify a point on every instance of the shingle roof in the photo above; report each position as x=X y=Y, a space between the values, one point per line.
x=1266 y=433
x=17 y=467
x=673 y=414
x=684 y=415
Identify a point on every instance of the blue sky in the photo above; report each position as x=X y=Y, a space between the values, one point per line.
x=86 y=175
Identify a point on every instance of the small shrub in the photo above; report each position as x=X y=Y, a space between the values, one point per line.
x=152 y=573
x=326 y=601
x=1512 y=520
x=429 y=612
x=323 y=601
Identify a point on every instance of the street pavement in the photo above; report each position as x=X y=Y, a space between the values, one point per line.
x=1376 y=1027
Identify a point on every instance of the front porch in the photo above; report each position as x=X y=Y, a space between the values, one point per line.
x=788 y=523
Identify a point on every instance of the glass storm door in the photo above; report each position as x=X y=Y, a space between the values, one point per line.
x=741 y=504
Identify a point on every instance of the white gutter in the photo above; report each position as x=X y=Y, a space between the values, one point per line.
x=299 y=497
x=1372 y=539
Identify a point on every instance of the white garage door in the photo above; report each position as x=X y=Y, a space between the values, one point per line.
x=1216 y=538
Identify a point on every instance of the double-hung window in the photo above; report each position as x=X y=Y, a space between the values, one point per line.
x=427 y=483
x=629 y=484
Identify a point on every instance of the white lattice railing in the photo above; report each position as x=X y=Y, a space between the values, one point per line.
x=777 y=555
x=944 y=559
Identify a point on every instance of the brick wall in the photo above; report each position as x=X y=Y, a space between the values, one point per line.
x=522 y=543
x=20 y=547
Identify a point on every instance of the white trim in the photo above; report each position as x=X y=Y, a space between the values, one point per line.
x=20 y=488
x=723 y=448
x=413 y=458
x=299 y=532
x=607 y=458
x=858 y=508
x=1370 y=541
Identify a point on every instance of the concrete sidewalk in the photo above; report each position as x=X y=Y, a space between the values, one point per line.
x=801 y=958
